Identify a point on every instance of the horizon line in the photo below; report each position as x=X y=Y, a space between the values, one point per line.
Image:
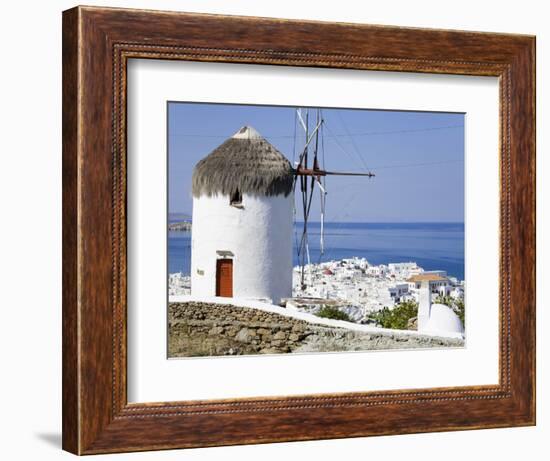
x=359 y=222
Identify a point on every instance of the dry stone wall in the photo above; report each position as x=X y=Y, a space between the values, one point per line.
x=203 y=329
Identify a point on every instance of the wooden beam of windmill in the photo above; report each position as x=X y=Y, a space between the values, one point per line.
x=301 y=171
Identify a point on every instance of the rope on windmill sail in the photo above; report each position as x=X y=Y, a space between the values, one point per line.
x=303 y=183
x=309 y=263
x=364 y=167
x=294 y=138
x=294 y=211
x=342 y=214
x=323 y=193
x=353 y=144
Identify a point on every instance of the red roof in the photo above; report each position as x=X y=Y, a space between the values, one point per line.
x=426 y=278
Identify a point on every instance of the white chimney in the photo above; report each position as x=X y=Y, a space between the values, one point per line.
x=424 y=305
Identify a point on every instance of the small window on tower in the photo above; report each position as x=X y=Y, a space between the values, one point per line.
x=236 y=199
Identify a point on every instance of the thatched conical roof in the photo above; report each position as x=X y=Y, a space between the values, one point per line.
x=245 y=162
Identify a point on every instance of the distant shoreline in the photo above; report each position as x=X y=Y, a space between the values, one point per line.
x=182 y=226
x=187 y=217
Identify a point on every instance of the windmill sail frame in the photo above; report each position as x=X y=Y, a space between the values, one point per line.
x=318 y=176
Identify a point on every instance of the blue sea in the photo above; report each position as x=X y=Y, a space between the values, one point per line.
x=433 y=246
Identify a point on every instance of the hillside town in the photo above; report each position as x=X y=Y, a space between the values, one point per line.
x=354 y=286
x=360 y=289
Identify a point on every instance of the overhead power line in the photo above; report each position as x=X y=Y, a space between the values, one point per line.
x=332 y=135
x=410 y=165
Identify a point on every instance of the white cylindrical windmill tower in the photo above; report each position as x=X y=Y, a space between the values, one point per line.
x=242 y=221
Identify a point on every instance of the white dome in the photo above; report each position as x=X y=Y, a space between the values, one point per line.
x=443 y=320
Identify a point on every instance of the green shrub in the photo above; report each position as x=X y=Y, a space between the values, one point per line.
x=331 y=312
x=398 y=317
x=458 y=307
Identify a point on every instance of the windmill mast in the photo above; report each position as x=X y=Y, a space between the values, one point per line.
x=316 y=172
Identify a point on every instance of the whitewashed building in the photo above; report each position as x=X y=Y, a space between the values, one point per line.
x=444 y=290
x=241 y=243
x=457 y=292
x=435 y=280
x=404 y=270
x=377 y=271
x=398 y=290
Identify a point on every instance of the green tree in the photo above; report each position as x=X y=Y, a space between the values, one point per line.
x=331 y=312
x=397 y=317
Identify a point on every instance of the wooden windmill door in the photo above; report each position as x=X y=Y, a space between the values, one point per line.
x=224 y=278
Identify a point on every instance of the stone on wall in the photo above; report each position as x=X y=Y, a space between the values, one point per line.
x=199 y=329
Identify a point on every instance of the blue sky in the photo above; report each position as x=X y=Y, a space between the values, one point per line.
x=418 y=158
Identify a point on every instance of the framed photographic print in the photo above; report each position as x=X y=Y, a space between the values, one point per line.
x=281 y=230
x=323 y=295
